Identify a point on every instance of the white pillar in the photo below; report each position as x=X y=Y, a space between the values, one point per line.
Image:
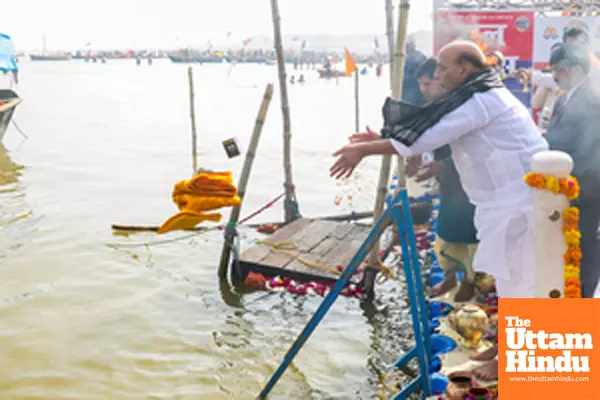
x=550 y=243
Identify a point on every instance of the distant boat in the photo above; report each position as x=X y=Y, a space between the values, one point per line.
x=9 y=101
x=49 y=57
x=197 y=59
x=330 y=73
x=251 y=60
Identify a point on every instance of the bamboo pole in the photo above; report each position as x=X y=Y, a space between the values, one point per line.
x=193 y=118
x=384 y=173
x=290 y=195
x=399 y=63
x=355 y=216
x=244 y=177
x=356 y=103
x=389 y=31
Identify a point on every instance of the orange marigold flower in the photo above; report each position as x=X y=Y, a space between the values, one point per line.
x=535 y=180
x=571 y=213
x=552 y=184
x=572 y=237
x=573 y=188
x=573 y=292
x=574 y=282
x=571 y=271
x=572 y=256
x=564 y=185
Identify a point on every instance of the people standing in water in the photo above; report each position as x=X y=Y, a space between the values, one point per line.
x=301 y=79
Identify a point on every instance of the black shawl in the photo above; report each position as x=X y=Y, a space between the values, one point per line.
x=406 y=122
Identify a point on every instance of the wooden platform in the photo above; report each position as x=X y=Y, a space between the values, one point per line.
x=318 y=241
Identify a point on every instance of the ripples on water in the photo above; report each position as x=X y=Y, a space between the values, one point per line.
x=82 y=320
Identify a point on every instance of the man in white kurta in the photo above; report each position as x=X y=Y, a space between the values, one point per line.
x=492 y=138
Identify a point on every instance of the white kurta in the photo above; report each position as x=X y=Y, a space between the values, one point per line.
x=492 y=138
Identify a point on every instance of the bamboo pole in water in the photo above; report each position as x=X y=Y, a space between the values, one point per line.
x=384 y=173
x=153 y=228
x=290 y=195
x=399 y=62
x=356 y=103
x=244 y=177
x=193 y=118
x=389 y=31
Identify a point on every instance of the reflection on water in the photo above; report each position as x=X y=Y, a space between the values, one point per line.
x=84 y=320
x=16 y=223
x=9 y=170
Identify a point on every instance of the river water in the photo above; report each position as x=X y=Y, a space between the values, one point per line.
x=84 y=320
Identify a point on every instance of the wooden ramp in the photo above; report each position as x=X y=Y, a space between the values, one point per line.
x=315 y=241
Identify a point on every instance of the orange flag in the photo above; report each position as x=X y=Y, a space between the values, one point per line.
x=350 y=65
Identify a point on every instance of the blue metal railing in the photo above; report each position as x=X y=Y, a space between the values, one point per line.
x=398 y=212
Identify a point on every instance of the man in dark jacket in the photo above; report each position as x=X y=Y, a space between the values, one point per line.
x=574 y=129
x=410 y=85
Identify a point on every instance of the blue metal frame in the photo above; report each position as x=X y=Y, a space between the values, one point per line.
x=400 y=213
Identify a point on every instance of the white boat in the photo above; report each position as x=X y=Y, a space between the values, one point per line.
x=9 y=99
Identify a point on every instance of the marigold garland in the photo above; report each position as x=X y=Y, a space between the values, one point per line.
x=572 y=257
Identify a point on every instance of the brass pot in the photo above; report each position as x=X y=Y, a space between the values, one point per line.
x=479 y=394
x=485 y=283
x=471 y=322
x=459 y=386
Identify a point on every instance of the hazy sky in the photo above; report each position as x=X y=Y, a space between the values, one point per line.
x=70 y=24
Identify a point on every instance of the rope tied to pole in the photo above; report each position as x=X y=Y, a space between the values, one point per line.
x=286 y=248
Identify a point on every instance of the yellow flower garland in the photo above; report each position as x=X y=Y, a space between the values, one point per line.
x=572 y=257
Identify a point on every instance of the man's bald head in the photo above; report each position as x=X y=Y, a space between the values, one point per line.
x=458 y=60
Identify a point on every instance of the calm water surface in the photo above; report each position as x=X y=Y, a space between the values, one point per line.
x=84 y=320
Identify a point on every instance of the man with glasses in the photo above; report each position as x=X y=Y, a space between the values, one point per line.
x=574 y=129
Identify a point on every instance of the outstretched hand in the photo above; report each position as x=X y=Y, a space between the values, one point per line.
x=412 y=165
x=429 y=171
x=348 y=158
x=362 y=137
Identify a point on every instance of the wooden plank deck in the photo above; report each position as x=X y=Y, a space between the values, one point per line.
x=322 y=242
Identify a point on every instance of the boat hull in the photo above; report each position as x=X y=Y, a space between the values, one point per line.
x=198 y=60
x=49 y=58
x=9 y=100
x=329 y=74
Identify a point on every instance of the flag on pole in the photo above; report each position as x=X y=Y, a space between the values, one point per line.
x=350 y=65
